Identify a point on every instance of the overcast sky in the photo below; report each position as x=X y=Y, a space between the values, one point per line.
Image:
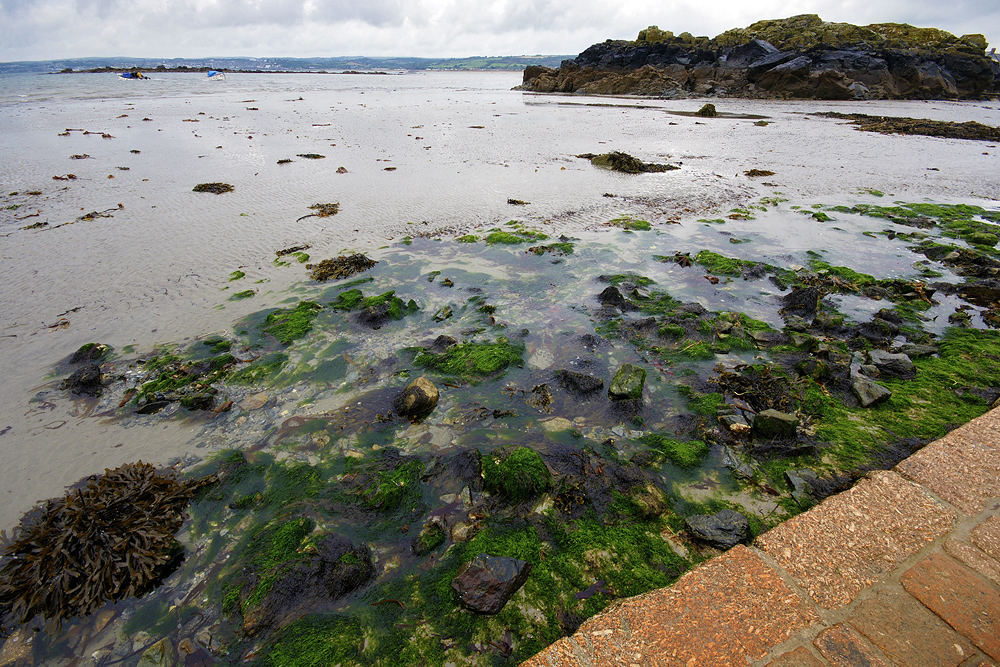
x=50 y=29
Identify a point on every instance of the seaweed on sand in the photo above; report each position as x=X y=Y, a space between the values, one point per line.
x=112 y=539
x=214 y=188
x=344 y=266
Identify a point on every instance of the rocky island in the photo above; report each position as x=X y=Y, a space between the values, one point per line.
x=798 y=57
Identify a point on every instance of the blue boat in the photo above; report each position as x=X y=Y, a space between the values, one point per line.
x=216 y=75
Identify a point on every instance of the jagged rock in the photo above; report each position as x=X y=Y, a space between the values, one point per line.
x=85 y=381
x=611 y=296
x=802 y=56
x=627 y=383
x=485 y=584
x=772 y=424
x=892 y=365
x=724 y=529
x=868 y=392
x=579 y=384
x=916 y=350
x=418 y=399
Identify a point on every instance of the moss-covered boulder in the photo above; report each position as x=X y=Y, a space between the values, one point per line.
x=627 y=383
x=516 y=474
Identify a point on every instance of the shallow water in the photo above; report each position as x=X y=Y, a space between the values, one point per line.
x=156 y=270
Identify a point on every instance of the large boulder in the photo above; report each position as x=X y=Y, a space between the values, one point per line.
x=485 y=584
x=869 y=392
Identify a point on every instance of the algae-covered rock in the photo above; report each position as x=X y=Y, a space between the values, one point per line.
x=214 y=188
x=485 y=584
x=90 y=353
x=772 y=424
x=707 y=111
x=418 y=399
x=627 y=383
x=516 y=474
x=625 y=163
x=723 y=530
x=431 y=536
x=278 y=592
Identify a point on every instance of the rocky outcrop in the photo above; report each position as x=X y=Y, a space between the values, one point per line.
x=799 y=57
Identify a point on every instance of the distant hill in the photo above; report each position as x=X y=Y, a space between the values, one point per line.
x=502 y=63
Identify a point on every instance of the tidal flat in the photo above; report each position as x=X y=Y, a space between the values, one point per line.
x=760 y=291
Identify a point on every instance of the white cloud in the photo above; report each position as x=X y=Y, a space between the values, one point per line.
x=46 y=29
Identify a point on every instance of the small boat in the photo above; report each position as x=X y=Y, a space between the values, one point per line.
x=132 y=75
x=216 y=75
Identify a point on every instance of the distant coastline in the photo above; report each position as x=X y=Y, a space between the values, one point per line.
x=340 y=64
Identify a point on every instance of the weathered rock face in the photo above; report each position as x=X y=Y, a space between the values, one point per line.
x=800 y=57
x=486 y=583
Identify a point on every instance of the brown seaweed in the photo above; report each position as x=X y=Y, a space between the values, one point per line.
x=111 y=539
x=341 y=267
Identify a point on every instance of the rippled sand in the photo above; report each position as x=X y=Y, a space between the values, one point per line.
x=460 y=144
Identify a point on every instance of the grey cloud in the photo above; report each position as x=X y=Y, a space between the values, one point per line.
x=377 y=13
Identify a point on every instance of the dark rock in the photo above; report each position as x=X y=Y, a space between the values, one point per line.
x=802 y=301
x=803 y=483
x=333 y=569
x=485 y=584
x=84 y=381
x=772 y=424
x=723 y=530
x=579 y=384
x=916 y=350
x=892 y=365
x=90 y=353
x=418 y=399
x=152 y=407
x=442 y=343
x=611 y=296
x=868 y=392
x=627 y=383
x=450 y=475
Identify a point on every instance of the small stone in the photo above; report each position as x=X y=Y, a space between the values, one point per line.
x=803 y=482
x=869 y=393
x=724 y=529
x=86 y=381
x=418 y=399
x=627 y=383
x=485 y=584
x=772 y=424
x=254 y=402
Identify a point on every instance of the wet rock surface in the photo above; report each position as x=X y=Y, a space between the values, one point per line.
x=418 y=399
x=485 y=584
x=85 y=381
x=723 y=530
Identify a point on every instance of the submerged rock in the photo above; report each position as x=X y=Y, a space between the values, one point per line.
x=418 y=399
x=627 y=383
x=579 y=384
x=724 y=529
x=485 y=584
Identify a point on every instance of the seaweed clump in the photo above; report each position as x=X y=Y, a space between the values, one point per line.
x=112 y=539
x=344 y=266
x=473 y=360
x=625 y=163
x=214 y=188
x=919 y=126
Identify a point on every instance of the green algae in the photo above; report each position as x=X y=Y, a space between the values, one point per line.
x=290 y=324
x=504 y=238
x=473 y=360
x=392 y=489
x=260 y=370
x=842 y=272
x=315 y=640
x=683 y=454
x=721 y=265
x=245 y=294
x=236 y=275
x=517 y=475
x=630 y=224
x=467 y=238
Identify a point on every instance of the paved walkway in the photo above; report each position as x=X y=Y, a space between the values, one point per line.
x=901 y=570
